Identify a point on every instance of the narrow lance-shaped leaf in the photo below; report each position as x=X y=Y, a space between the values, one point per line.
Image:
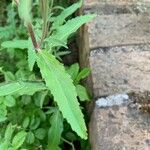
x=83 y=74
x=55 y=131
x=71 y=26
x=20 y=44
x=55 y=42
x=61 y=86
x=59 y=20
x=21 y=88
x=24 y=9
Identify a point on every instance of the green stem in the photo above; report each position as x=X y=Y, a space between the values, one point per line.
x=44 y=10
x=70 y=143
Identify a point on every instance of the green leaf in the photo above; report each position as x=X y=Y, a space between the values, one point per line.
x=71 y=136
x=9 y=131
x=26 y=122
x=4 y=146
x=31 y=55
x=42 y=115
x=2 y=119
x=10 y=101
x=26 y=99
x=39 y=98
x=31 y=87
x=82 y=93
x=19 y=139
x=61 y=86
x=35 y=122
x=55 y=42
x=10 y=88
x=40 y=133
x=21 y=88
x=73 y=71
x=30 y=137
x=42 y=98
x=6 y=32
x=59 y=20
x=62 y=53
x=71 y=26
x=19 y=44
x=83 y=74
x=9 y=76
x=55 y=131
x=3 y=111
x=51 y=110
x=24 y=9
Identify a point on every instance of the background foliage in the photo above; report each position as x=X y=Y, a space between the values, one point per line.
x=40 y=110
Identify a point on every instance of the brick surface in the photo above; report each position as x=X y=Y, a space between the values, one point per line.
x=116 y=48
x=124 y=29
x=120 y=69
x=122 y=127
x=91 y=3
x=115 y=45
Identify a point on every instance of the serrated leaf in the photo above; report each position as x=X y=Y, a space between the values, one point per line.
x=31 y=87
x=62 y=53
x=55 y=42
x=10 y=88
x=24 y=9
x=19 y=44
x=83 y=74
x=9 y=76
x=71 y=26
x=30 y=137
x=55 y=131
x=40 y=133
x=9 y=131
x=31 y=55
x=21 y=88
x=6 y=32
x=73 y=71
x=82 y=93
x=10 y=101
x=19 y=139
x=61 y=86
x=59 y=20
x=3 y=111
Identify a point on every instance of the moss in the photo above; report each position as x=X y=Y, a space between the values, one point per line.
x=142 y=99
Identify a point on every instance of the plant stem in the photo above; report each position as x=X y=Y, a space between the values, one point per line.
x=32 y=35
x=70 y=143
x=44 y=11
